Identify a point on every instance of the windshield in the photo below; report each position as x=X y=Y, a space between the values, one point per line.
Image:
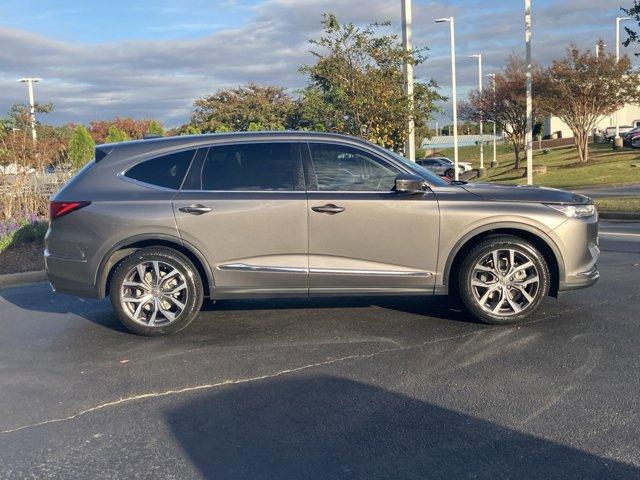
x=428 y=175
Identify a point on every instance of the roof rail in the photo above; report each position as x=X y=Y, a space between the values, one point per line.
x=149 y=136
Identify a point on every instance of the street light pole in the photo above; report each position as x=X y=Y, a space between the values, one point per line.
x=454 y=95
x=529 y=81
x=410 y=144
x=494 y=162
x=32 y=105
x=618 y=20
x=479 y=57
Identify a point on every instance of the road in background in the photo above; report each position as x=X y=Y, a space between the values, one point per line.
x=625 y=191
x=328 y=388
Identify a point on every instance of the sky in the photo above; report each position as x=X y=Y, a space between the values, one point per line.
x=152 y=59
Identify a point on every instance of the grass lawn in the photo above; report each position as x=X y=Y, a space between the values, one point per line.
x=619 y=204
x=605 y=167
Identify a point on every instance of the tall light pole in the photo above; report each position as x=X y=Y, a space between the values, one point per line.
x=529 y=81
x=494 y=162
x=32 y=105
x=618 y=20
x=454 y=94
x=410 y=145
x=479 y=57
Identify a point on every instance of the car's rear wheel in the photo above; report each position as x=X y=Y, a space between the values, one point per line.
x=450 y=173
x=503 y=280
x=156 y=291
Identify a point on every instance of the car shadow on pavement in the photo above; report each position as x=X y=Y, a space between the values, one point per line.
x=443 y=308
x=328 y=427
x=40 y=298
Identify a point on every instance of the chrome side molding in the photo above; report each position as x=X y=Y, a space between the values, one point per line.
x=261 y=268
x=323 y=271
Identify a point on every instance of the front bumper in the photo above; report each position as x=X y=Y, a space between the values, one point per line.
x=580 y=252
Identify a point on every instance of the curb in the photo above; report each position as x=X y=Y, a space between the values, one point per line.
x=619 y=216
x=22 y=278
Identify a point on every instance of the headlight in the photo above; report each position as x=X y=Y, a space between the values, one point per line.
x=575 y=211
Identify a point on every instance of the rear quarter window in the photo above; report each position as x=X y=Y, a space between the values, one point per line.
x=166 y=171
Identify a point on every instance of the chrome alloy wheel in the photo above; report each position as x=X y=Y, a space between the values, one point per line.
x=505 y=282
x=154 y=293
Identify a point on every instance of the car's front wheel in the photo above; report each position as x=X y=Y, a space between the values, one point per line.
x=450 y=173
x=503 y=280
x=156 y=291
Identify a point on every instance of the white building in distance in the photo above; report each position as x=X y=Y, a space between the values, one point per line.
x=629 y=116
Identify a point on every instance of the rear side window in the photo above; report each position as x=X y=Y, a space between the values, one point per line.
x=166 y=171
x=253 y=167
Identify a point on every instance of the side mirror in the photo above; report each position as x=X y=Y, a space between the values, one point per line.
x=408 y=183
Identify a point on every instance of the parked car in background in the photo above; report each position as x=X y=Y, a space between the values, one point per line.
x=159 y=225
x=439 y=166
x=610 y=132
x=631 y=138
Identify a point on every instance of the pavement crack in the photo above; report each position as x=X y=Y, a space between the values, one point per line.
x=208 y=386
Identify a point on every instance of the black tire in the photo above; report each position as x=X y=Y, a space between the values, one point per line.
x=189 y=274
x=471 y=296
x=450 y=173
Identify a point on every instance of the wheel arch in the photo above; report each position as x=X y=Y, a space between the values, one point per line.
x=536 y=237
x=127 y=246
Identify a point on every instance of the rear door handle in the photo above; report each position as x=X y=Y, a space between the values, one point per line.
x=329 y=209
x=195 y=209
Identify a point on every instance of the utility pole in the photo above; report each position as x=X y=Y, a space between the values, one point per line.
x=32 y=105
x=494 y=162
x=479 y=57
x=618 y=20
x=454 y=94
x=410 y=145
x=529 y=75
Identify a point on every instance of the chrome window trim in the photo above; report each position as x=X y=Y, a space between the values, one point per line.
x=122 y=175
x=322 y=271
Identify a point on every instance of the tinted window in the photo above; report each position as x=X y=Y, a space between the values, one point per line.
x=255 y=166
x=166 y=171
x=340 y=168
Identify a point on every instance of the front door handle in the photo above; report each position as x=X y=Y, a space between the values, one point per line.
x=329 y=209
x=195 y=209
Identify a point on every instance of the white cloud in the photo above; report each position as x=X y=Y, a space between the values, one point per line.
x=160 y=79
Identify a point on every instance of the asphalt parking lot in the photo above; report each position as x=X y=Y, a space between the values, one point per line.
x=388 y=388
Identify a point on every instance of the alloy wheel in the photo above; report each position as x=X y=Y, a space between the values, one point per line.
x=505 y=282
x=154 y=293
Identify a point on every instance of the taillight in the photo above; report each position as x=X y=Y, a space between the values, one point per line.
x=60 y=209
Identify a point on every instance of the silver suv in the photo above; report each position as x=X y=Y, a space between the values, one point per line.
x=158 y=225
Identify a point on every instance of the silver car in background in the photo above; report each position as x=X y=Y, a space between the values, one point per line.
x=441 y=166
x=158 y=225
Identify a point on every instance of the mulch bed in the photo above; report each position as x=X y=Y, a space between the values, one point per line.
x=26 y=257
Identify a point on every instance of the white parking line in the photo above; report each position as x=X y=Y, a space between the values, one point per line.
x=621 y=234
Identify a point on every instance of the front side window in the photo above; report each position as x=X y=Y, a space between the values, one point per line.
x=166 y=171
x=342 y=168
x=252 y=167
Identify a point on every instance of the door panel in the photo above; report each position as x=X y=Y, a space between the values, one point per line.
x=380 y=241
x=251 y=240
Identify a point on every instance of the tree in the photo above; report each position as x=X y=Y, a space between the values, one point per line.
x=155 y=128
x=356 y=85
x=116 y=135
x=506 y=106
x=633 y=12
x=134 y=129
x=236 y=109
x=580 y=89
x=81 y=147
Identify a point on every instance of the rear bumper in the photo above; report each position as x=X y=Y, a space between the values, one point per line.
x=70 y=276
